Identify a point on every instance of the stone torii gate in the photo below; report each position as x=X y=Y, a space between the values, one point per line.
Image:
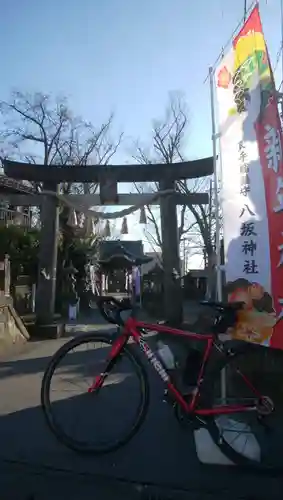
x=108 y=176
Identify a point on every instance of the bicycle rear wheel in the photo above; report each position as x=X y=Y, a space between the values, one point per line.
x=255 y=437
x=68 y=418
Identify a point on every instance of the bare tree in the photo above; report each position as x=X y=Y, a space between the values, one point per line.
x=41 y=129
x=196 y=222
x=38 y=128
x=34 y=126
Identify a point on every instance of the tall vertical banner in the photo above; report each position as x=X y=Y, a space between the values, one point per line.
x=252 y=185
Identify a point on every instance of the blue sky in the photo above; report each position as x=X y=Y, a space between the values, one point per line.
x=124 y=56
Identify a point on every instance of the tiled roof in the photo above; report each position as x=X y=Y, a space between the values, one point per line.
x=9 y=184
x=129 y=250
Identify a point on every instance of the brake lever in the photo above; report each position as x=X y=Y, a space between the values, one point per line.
x=115 y=316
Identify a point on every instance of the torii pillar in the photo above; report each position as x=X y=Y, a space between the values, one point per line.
x=173 y=303
x=47 y=258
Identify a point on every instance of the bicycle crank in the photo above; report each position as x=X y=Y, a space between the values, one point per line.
x=185 y=419
x=265 y=406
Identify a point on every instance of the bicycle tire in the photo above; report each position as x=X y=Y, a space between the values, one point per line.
x=57 y=430
x=237 y=458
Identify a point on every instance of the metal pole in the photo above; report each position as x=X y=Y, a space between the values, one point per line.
x=245 y=9
x=140 y=278
x=233 y=34
x=215 y=188
x=217 y=221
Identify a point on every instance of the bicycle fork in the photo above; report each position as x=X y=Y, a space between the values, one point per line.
x=110 y=362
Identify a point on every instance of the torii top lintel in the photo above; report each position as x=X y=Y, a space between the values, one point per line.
x=118 y=173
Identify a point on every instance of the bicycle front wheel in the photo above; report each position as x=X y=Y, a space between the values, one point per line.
x=254 y=437
x=94 y=422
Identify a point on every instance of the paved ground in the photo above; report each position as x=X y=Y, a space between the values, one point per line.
x=161 y=456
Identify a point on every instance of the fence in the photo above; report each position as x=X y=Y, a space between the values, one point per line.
x=10 y=217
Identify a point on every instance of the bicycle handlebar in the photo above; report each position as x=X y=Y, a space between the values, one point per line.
x=111 y=308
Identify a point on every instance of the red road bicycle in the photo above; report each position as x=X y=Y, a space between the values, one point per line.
x=249 y=418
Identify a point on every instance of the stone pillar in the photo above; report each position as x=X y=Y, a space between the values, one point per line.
x=46 y=286
x=173 y=308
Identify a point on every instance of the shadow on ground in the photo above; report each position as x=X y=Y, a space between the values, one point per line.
x=162 y=454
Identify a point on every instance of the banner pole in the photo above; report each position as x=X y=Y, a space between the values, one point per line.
x=215 y=187
x=217 y=214
x=245 y=10
x=234 y=33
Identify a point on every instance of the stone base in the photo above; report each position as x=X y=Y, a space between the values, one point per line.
x=50 y=331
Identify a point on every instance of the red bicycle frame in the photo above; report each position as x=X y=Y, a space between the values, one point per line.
x=132 y=329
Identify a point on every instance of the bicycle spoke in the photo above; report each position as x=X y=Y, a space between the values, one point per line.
x=253 y=436
x=90 y=421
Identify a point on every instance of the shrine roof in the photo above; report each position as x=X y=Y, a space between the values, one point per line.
x=115 y=253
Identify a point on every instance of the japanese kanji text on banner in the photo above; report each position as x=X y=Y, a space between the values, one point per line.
x=252 y=185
